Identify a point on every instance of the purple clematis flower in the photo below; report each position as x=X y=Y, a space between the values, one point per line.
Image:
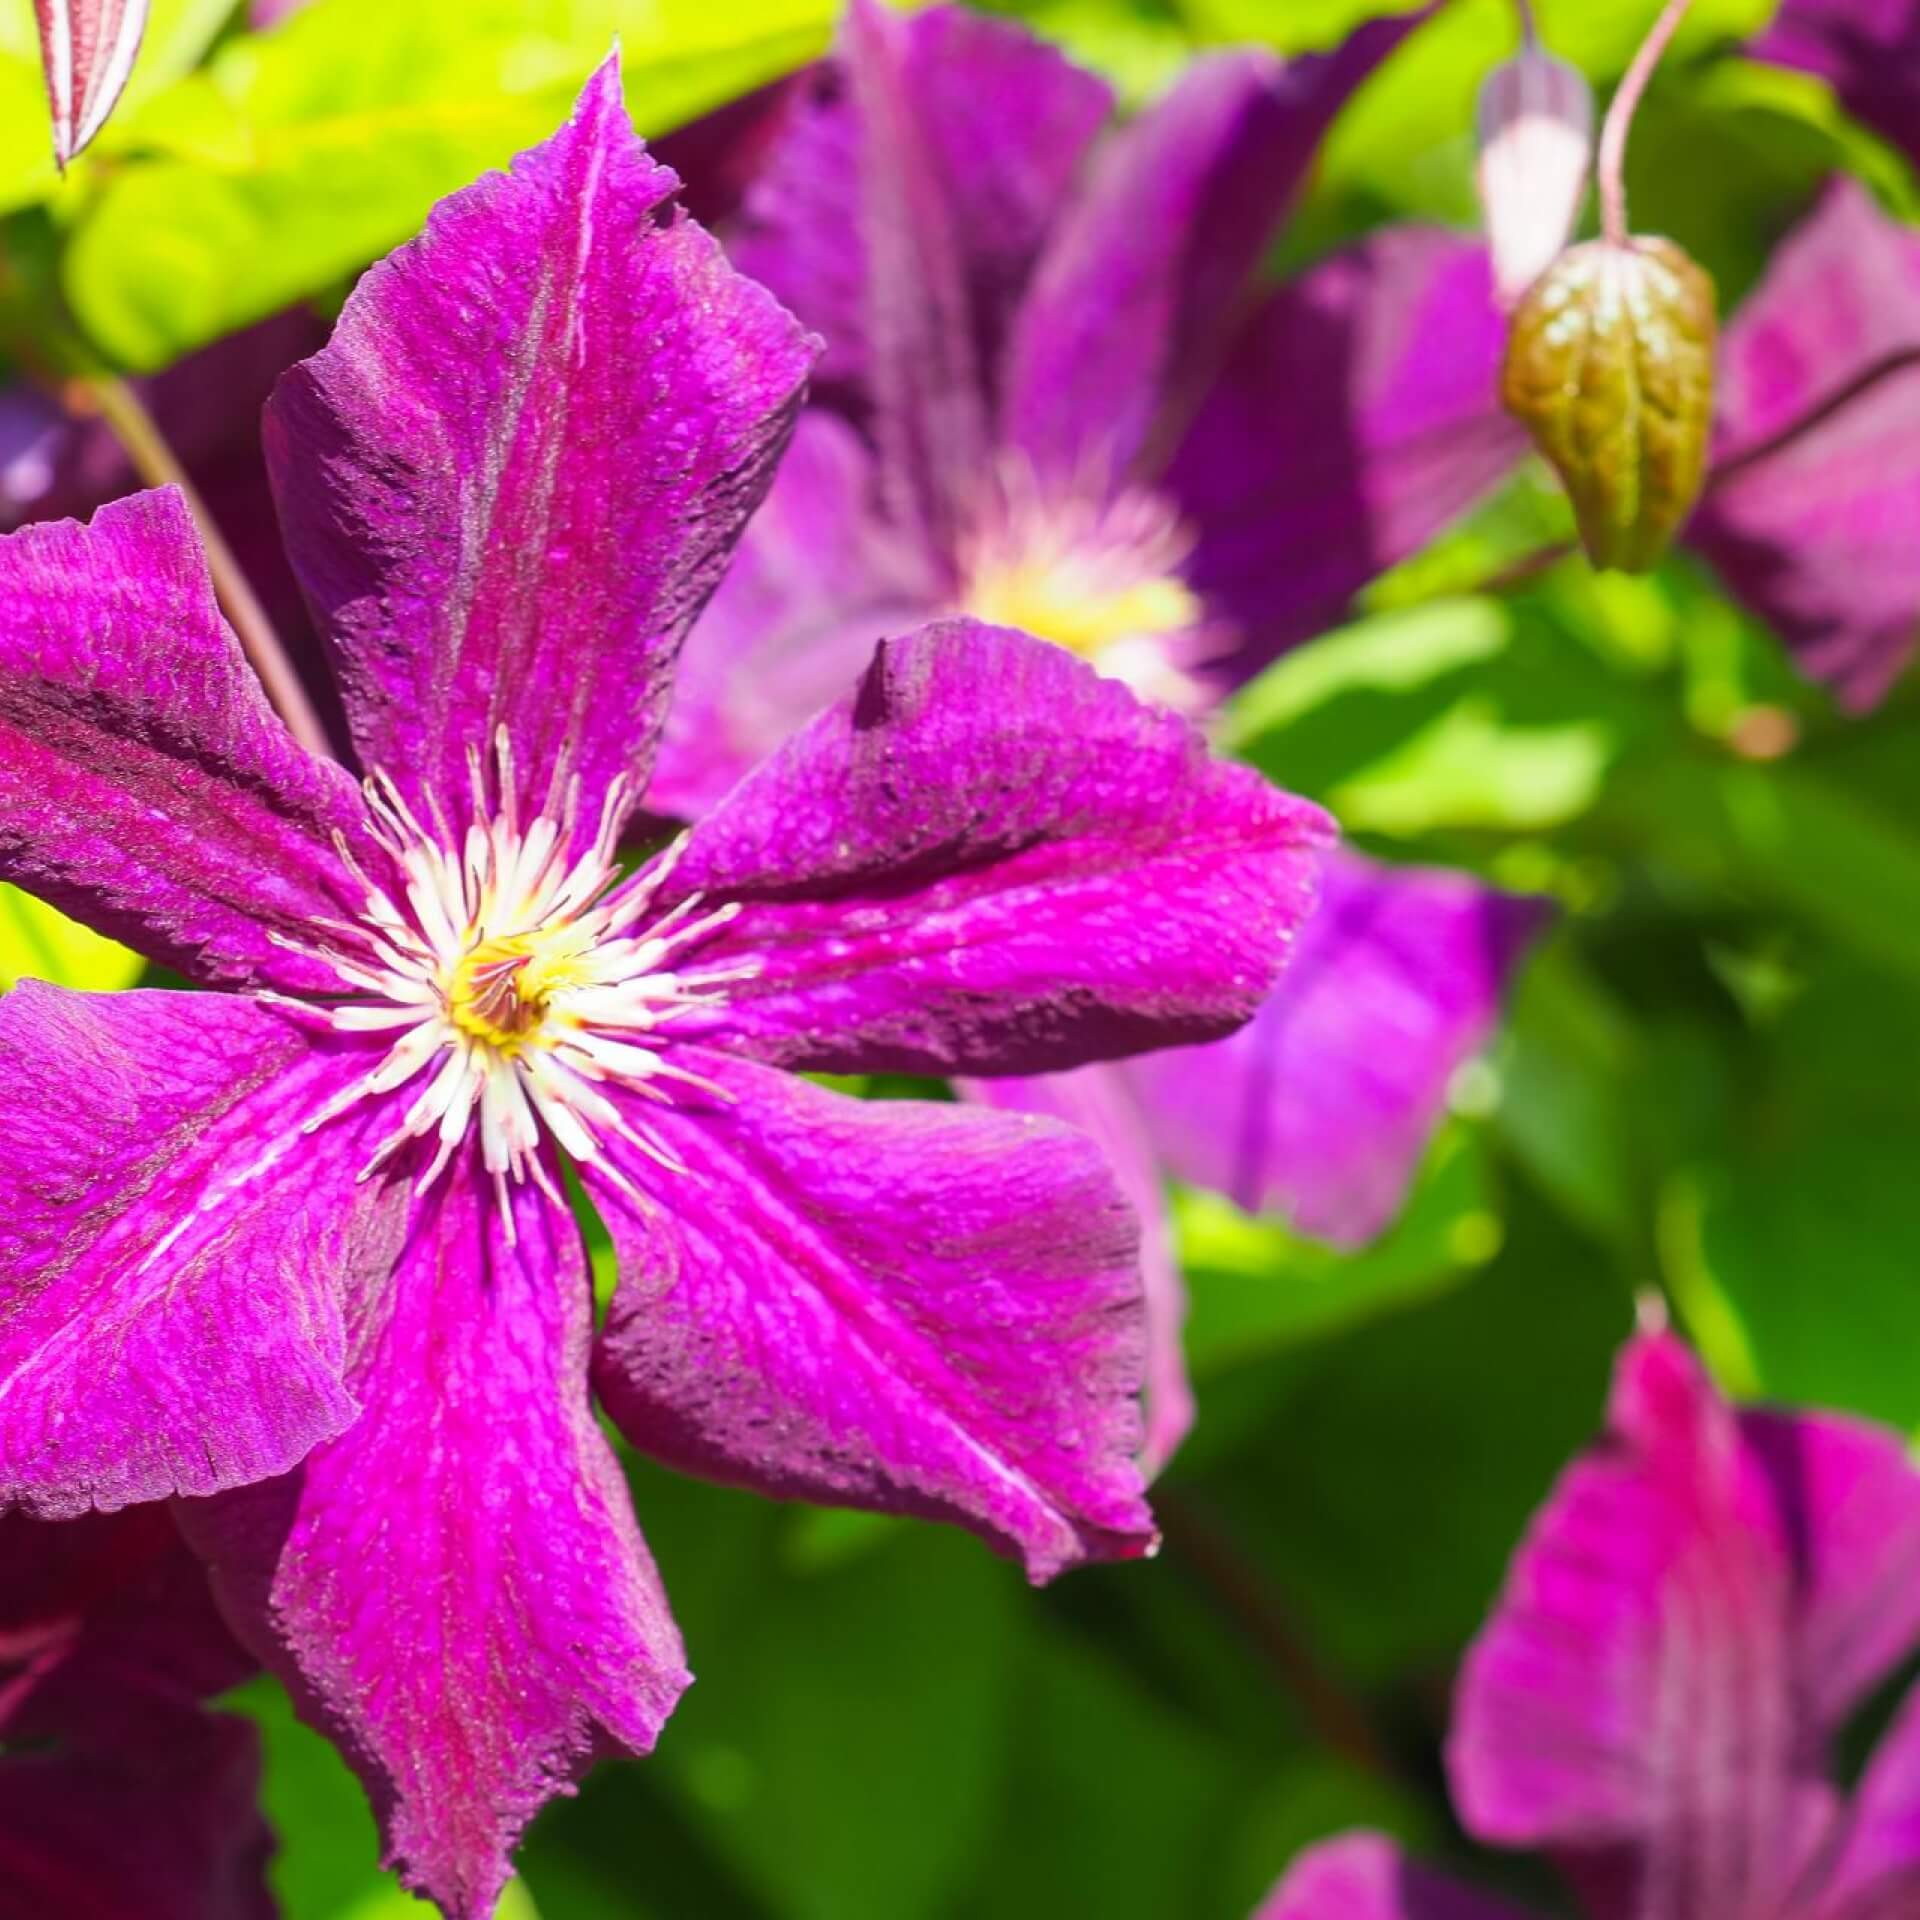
x=1702 y=1602
x=296 y=1252
x=1055 y=393
x=1868 y=49
x=129 y=1797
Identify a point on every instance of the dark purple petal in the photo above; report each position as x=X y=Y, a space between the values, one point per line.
x=1878 y=1875
x=1696 y=1602
x=107 y=1627
x=894 y=1304
x=171 y=1246
x=169 y=1832
x=1868 y=49
x=145 y=785
x=1134 y=300
x=996 y=124
x=87 y=47
x=1357 y=415
x=514 y=476
x=1362 y=1876
x=1817 y=536
x=1321 y=1107
x=990 y=860
x=816 y=581
x=1099 y=1102
x=455 y=1589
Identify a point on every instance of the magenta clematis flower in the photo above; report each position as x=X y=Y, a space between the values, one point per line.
x=1054 y=393
x=128 y=1796
x=1703 y=1601
x=1868 y=49
x=296 y=1251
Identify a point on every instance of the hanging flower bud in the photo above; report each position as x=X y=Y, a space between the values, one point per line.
x=87 y=47
x=1535 y=129
x=1610 y=367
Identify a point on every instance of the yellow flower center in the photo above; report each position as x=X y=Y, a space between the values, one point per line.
x=1082 y=603
x=500 y=992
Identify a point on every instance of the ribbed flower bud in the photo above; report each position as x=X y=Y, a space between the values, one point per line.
x=87 y=47
x=1610 y=367
x=1535 y=129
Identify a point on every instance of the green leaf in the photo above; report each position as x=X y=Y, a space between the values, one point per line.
x=38 y=943
x=300 y=155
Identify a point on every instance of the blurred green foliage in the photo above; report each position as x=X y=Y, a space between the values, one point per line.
x=1709 y=1081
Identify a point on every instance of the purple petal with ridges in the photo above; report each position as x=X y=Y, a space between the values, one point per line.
x=1362 y=1876
x=1653 y=1694
x=1100 y=1103
x=816 y=581
x=1320 y=1108
x=894 y=1304
x=145 y=785
x=455 y=1589
x=1133 y=304
x=1817 y=537
x=171 y=1249
x=1357 y=414
x=1868 y=49
x=988 y=859
x=171 y=1832
x=512 y=479
x=810 y=227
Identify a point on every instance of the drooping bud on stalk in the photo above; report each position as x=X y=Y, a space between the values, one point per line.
x=1535 y=135
x=1610 y=367
x=87 y=47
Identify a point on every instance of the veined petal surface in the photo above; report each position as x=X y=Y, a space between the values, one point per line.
x=892 y=1304
x=512 y=479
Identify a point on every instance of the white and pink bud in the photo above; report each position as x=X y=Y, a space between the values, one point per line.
x=88 y=48
x=1535 y=129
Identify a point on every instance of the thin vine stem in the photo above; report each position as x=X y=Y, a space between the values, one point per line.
x=125 y=415
x=1613 y=134
x=1529 y=27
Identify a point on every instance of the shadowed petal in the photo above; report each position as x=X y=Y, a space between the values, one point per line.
x=512 y=479
x=145 y=785
x=455 y=1589
x=1817 y=537
x=1361 y=1876
x=1133 y=303
x=1357 y=415
x=990 y=860
x=817 y=579
x=1878 y=1876
x=1868 y=49
x=1320 y=1108
x=814 y=225
x=1653 y=1694
x=169 y=1832
x=87 y=47
x=1099 y=1102
x=171 y=1246
x=889 y=1304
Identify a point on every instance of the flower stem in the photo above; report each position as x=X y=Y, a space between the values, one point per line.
x=1613 y=134
x=1529 y=27
x=115 y=403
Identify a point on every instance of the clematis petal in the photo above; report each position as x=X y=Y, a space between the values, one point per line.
x=1320 y=1108
x=813 y=230
x=512 y=479
x=1100 y=1103
x=1868 y=49
x=170 y=1832
x=455 y=1589
x=987 y=859
x=1878 y=1873
x=171 y=1246
x=87 y=48
x=1357 y=415
x=1647 y=1698
x=145 y=785
x=107 y=1628
x=818 y=578
x=1362 y=1876
x=890 y=1304
x=1132 y=304
x=1815 y=536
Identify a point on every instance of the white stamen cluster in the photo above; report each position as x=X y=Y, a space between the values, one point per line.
x=520 y=984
